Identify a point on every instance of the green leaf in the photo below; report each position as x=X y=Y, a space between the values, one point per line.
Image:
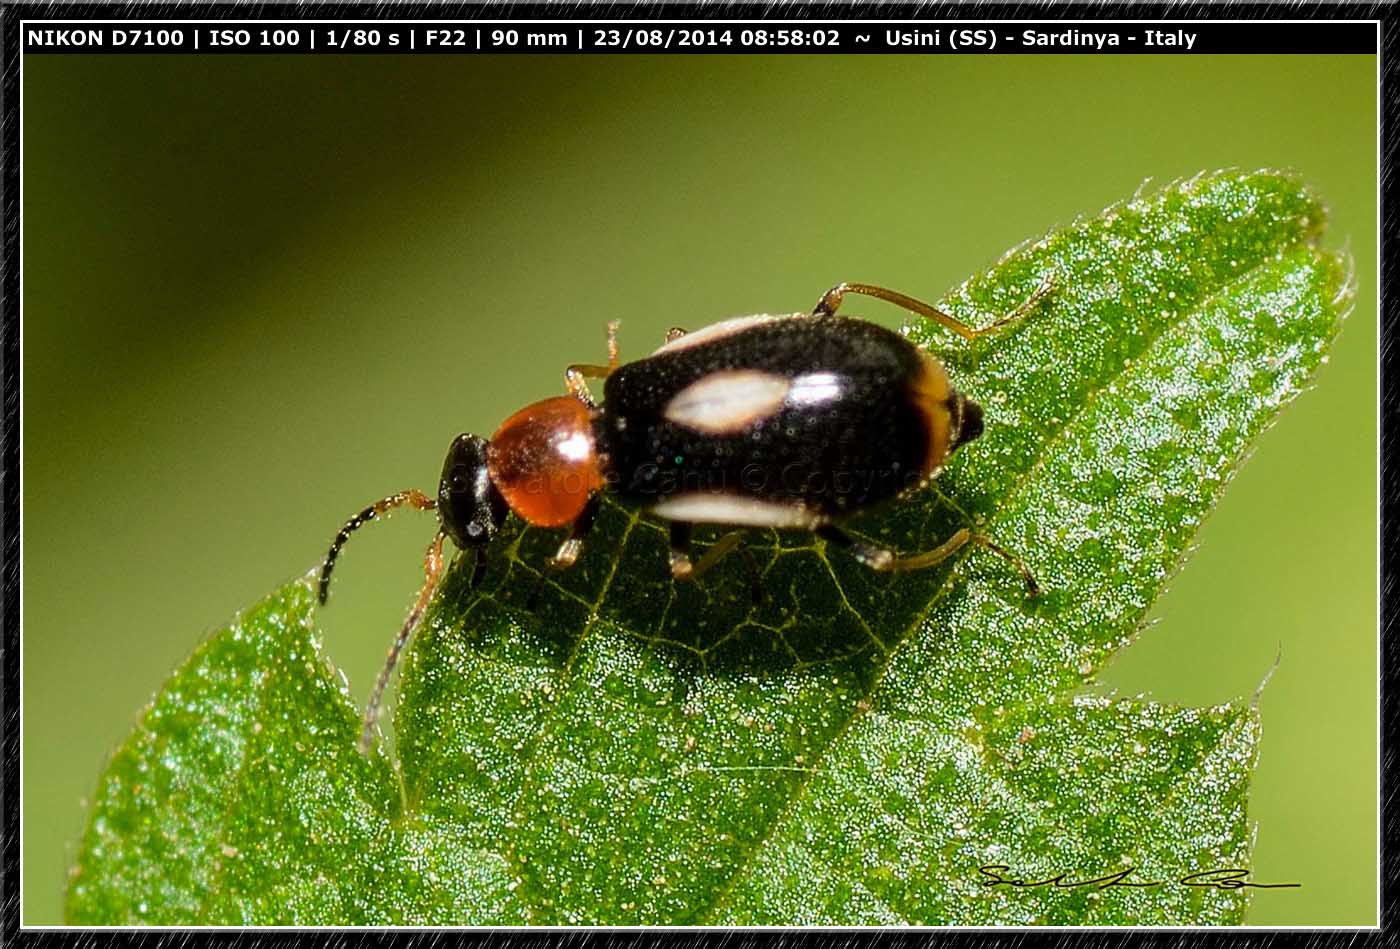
x=605 y=746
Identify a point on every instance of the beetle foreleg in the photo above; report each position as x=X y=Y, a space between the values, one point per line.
x=569 y=551
x=478 y=568
x=576 y=374
x=612 y=344
x=432 y=571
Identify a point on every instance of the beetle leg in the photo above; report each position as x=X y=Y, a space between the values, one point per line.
x=725 y=545
x=886 y=561
x=612 y=344
x=576 y=374
x=682 y=568
x=876 y=558
x=1032 y=588
x=568 y=551
x=830 y=302
x=478 y=568
x=432 y=571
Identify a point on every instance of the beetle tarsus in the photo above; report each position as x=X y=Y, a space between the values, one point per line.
x=576 y=375
x=681 y=566
x=1032 y=587
x=572 y=547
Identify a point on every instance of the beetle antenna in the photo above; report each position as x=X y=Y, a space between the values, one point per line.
x=432 y=571
x=416 y=499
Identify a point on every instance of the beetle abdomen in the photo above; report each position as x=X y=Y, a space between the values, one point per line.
x=786 y=421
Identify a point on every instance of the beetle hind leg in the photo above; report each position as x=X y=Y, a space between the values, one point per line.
x=886 y=561
x=830 y=302
x=876 y=558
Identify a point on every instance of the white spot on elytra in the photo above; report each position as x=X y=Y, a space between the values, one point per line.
x=814 y=388
x=727 y=402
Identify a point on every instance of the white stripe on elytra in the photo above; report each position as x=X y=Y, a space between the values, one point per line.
x=713 y=507
x=720 y=330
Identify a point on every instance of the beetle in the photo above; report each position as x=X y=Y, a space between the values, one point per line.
x=793 y=421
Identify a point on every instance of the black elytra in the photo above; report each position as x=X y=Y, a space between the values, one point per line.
x=831 y=415
x=789 y=422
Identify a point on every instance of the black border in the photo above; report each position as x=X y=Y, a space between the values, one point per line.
x=12 y=14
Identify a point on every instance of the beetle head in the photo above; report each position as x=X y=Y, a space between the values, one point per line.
x=471 y=508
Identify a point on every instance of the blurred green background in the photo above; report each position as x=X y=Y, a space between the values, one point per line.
x=260 y=292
